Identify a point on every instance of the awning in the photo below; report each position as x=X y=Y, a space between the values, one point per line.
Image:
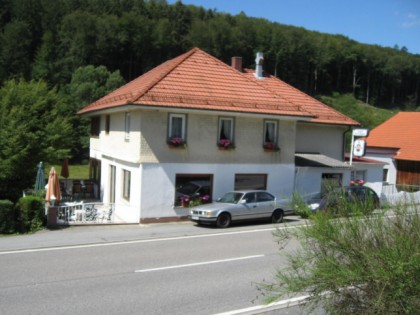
x=318 y=160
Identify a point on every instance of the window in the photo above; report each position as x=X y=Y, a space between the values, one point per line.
x=270 y=134
x=126 y=184
x=250 y=181
x=107 y=123
x=177 y=128
x=264 y=197
x=225 y=134
x=385 y=175
x=330 y=181
x=127 y=126
x=193 y=187
x=112 y=178
x=95 y=124
x=356 y=175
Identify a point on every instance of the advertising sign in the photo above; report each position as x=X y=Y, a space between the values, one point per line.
x=359 y=148
x=360 y=132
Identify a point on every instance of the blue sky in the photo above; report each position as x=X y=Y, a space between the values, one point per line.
x=383 y=22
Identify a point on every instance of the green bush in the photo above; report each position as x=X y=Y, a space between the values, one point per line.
x=30 y=214
x=300 y=206
x=354 y=264
x=7 y=217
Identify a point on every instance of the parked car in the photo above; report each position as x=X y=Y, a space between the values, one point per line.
x=364 y=197
x=241 y=205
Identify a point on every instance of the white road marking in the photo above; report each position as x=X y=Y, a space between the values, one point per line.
x=67 y=247
x=199 y=264
x=272 y=306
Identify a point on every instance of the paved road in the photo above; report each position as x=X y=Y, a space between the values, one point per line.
x=151 y=269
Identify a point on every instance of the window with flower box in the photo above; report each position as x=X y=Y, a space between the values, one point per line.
x=225 y=138
x=270 y=135
x=177 y=125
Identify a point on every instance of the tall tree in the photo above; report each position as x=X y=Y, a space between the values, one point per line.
x=87 y=85
x=31 y=130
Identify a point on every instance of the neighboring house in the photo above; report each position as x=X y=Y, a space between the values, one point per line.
x=194 y=119
x=396 y=142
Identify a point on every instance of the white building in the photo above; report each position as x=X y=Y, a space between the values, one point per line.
x=194 y=119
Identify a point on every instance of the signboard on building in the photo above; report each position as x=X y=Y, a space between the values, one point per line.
x=359 y=148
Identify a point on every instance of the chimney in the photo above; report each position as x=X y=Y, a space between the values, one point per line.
x=259 y=60
x=237 y=63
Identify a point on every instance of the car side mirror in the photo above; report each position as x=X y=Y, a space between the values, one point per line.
x=242 y=202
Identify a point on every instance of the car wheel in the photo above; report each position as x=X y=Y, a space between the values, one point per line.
x=277 y=216
x=223 y=220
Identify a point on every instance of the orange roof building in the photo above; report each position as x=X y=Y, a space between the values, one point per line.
x=401 y=132
x=397 y=141
x=195 y=121
x=197 y=80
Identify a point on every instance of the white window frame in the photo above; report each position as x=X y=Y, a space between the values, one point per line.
x=276 y=127
x=126 y=184
x=183 y=126
x=231 y=136
x=127 y=126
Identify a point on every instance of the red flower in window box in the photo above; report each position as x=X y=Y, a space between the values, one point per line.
x=225 y=144
x=177 y=142
x=269 y=146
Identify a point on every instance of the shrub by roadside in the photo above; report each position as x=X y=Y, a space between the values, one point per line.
x=300 y=206
x=7 y=217
x=27 y=215
x=355 y=264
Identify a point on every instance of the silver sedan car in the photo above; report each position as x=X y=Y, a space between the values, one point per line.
x=240 y=206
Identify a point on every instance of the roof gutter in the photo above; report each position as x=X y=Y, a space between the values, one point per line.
x=197 y=111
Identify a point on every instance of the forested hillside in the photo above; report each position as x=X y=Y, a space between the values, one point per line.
x=58 y=55
x=50 y=39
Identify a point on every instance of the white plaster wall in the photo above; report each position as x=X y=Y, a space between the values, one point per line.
x=389 y=164
x=201 y=139
x=158 y=183
x=114 y=143
x=308 y=180
x=126 y=211
x=322 y=139
x=374 y=174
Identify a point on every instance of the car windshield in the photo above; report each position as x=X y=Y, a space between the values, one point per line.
x=231 y=197
x=188 y=189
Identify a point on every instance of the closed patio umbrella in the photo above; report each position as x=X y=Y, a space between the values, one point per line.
x=40 y=178
x=53 y=188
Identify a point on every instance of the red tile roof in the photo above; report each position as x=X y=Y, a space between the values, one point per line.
x=197 y=80
x=323 y=113
x=401 y=131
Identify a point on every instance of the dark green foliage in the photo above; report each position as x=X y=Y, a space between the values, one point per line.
x=31 y=130
x=368 y=116
x=300 y=206
x=7 y=217
x=50 y=39
x=30 y=214
x=355 y=264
